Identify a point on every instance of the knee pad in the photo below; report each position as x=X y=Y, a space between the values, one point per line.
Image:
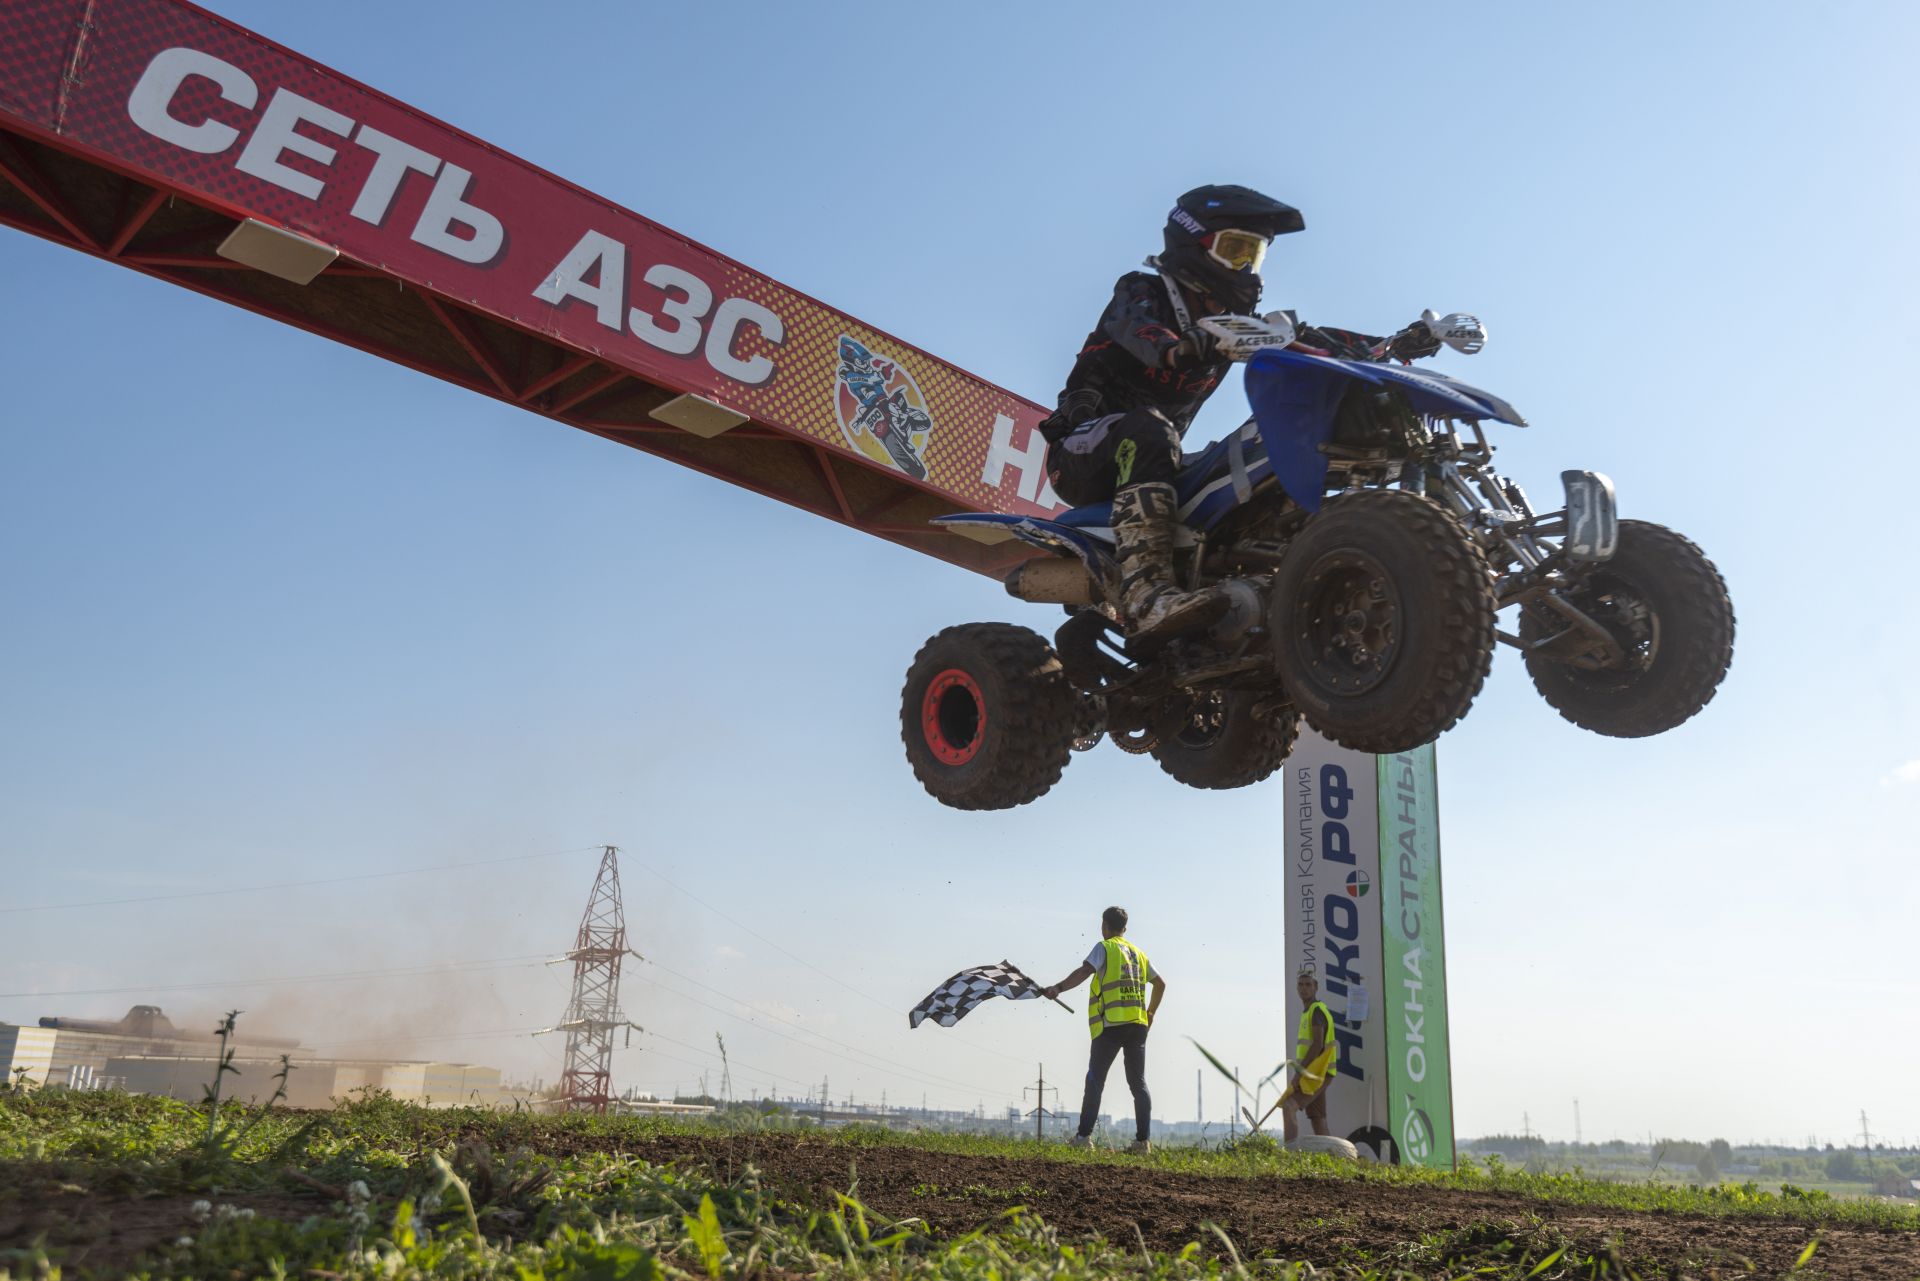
x=1156 y=444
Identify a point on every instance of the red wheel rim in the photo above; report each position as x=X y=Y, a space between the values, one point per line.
x=953 y=717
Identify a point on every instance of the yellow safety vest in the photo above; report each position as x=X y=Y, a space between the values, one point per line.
x=1327 y=1065
x=1119 y=987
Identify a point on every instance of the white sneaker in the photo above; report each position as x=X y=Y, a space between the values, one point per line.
x=1140 y=1146
x=1080 y=1141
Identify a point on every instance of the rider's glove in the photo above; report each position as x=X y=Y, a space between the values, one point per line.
x=1413 y=342
x=1196 y=346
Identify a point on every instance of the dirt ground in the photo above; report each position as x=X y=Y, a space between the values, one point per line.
x=105 y=1234
x=1325 y=1221
x=1321 y=1220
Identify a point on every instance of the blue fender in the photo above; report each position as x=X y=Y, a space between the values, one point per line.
x=1295 y=395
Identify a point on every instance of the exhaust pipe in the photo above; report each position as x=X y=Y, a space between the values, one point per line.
x=1051 y=580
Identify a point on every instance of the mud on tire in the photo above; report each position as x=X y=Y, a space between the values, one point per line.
x=1213 y=740
x=1668 y=606
x=1383 y=620
x=987 y=716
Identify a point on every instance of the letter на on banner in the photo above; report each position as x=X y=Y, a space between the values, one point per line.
x=1413 y=985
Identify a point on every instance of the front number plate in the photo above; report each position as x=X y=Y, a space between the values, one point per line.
x=1593 y=524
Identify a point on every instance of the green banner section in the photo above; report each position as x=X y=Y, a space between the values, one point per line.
x=1414 y=980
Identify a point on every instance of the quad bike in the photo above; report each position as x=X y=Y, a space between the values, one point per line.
x=1365 y=545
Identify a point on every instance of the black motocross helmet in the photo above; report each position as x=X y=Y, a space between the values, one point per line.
x=1217 y=238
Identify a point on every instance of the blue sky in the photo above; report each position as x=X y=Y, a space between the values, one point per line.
x=277 y=611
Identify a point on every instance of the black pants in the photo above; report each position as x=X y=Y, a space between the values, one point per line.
x=1102 y=454
x=1129 y=1039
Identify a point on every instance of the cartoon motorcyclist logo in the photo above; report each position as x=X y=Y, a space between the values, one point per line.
x=881 y=408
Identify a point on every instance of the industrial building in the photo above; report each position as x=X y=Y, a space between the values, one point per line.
x=145 y=1053
x=75 y=1052
x=313 y=1083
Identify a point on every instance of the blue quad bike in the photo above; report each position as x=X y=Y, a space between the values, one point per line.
x=1366 y=546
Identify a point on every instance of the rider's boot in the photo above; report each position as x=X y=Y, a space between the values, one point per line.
x=1154 y=608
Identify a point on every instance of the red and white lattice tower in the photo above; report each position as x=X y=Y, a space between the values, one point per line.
x=593 y=1015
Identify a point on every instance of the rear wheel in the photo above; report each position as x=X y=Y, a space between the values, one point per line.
x=1218 y=740
x=987 y=716
x=1666 y=607
x=1383 y=620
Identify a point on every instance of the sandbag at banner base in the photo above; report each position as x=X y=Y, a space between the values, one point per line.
x=1311 y=1080
x=1330 y=1145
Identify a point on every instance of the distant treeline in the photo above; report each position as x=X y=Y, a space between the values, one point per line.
x=1713 y=1158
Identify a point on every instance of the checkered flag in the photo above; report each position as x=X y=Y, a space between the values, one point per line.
x=955 y=999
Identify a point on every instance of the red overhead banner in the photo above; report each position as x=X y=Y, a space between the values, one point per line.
x=166 y=92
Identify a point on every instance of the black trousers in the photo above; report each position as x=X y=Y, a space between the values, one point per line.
x=1129 y=1039
x=1103 y=454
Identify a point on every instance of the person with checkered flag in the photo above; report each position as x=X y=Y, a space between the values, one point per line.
x=1119 y=1013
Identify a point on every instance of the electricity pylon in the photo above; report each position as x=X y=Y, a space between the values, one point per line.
x=1041 y=1111
x=593 y=1014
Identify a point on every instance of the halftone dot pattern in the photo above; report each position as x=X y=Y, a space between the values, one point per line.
x=36 y=42
x=122 y=39
x=800 y=396
x=69 y=67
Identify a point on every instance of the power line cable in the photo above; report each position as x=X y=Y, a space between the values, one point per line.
x=888 y=1006
x=711 y=1057
x=434 y=1038
x=481 y=966
x=917 y=1075
x=898 y=1071
x=880 y=1064
x=703 y=1067
x=922 y=1075
x=792 y=956
x=708 y=1057
x=295 y=885
x=885 y=1067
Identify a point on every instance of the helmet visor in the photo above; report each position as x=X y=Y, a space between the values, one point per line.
x=1237 y=250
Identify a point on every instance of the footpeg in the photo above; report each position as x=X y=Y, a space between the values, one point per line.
x=1183 y=620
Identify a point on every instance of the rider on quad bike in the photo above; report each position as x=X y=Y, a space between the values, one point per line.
x=1339 y=561
x=1143 y=374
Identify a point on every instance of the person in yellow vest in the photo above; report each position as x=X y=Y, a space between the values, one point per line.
x=1118 y=1014
x=1316 y=1054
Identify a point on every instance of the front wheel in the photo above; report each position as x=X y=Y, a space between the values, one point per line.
x=1667 y=609
x=1383 y=620
x=1223 y=738
x=987 y=716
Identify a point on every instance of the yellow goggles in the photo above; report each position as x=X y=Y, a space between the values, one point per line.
x=1237 y=250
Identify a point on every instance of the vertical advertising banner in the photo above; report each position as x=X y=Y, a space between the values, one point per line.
x=1414 y=990
x=1362 y=896
x=1333 y=924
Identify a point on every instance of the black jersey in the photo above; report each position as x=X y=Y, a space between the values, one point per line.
x=1124 y=362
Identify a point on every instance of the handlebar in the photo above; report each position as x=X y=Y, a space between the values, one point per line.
x=1240 y=337
x=1458 y=330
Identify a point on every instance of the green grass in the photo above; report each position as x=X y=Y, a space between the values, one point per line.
x=409 y=1192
